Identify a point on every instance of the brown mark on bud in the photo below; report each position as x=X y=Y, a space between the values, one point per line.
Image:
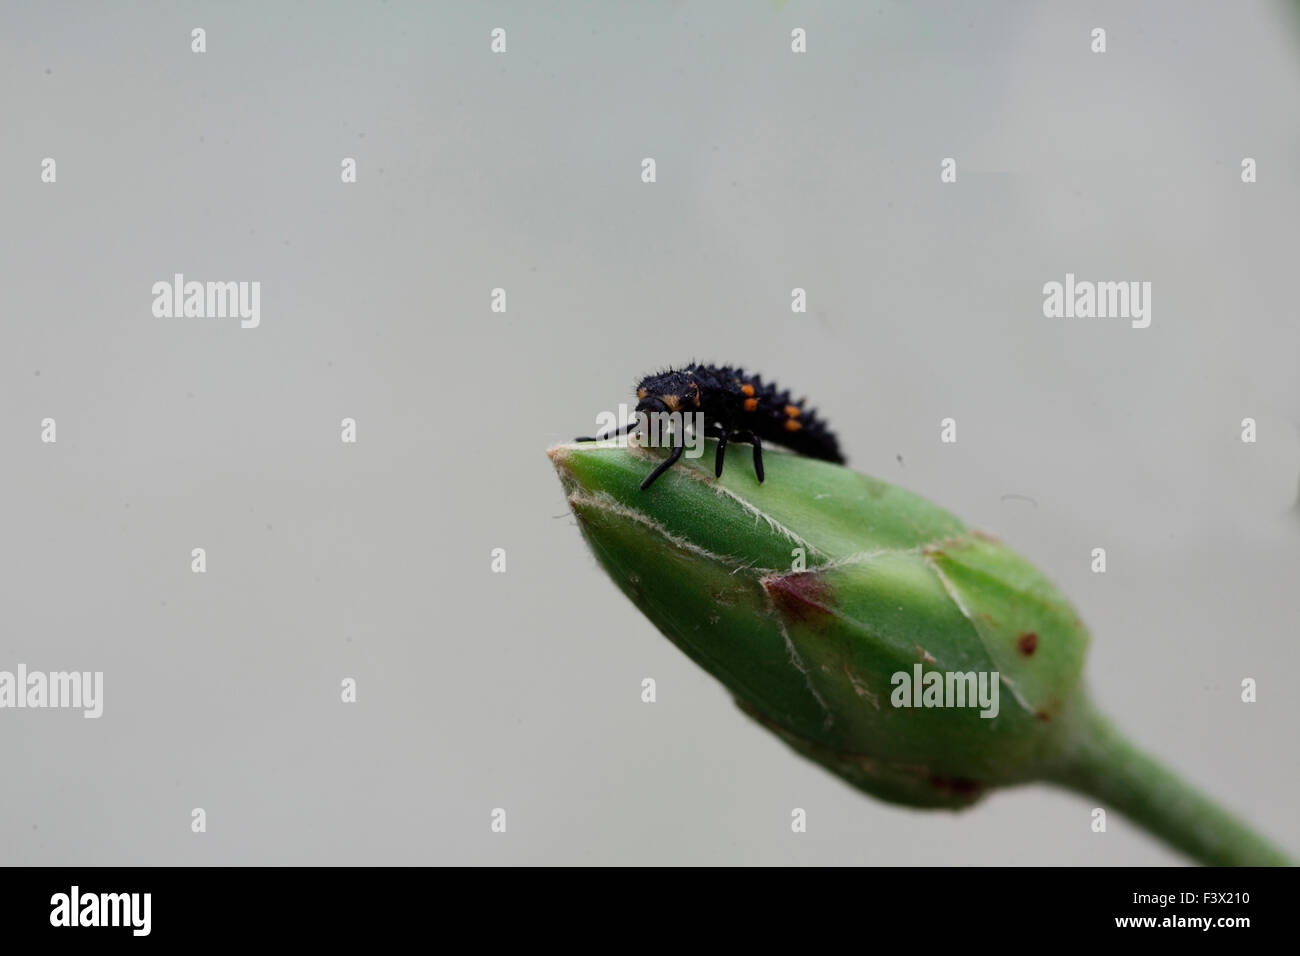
x=1045 y=713
x=1028 y=643
x=801 y=595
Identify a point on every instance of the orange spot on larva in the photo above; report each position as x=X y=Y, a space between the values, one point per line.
x=640 y=393
x=751 y=404
x=747 y=389
x=791 y=425
x=793 y=410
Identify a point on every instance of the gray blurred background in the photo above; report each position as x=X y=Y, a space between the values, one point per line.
x=522 y=690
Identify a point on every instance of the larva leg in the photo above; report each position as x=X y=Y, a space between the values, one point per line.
x=758 y=451
x=678 y=448
x=629 y=427
x=722 y=450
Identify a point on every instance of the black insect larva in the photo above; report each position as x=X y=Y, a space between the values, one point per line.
x=735 y=407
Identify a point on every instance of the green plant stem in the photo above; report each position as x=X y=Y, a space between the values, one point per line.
x=1105 y=765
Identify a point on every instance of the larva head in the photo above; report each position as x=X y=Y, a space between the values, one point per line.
x=671 y=391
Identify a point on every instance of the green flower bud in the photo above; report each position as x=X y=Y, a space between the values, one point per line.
x=920 y=660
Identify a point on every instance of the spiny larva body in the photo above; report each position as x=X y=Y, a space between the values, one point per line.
x=735 y=406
